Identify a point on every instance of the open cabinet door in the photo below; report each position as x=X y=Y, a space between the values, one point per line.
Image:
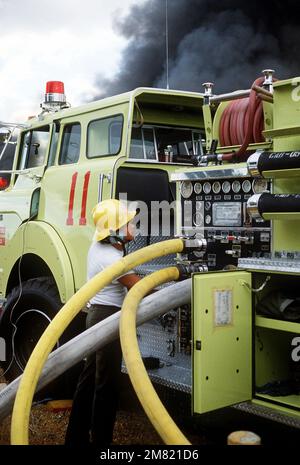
x=222 y=340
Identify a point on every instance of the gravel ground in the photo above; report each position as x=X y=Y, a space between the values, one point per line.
x=48 y=427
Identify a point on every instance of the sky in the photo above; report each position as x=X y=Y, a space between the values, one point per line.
x=73 y=41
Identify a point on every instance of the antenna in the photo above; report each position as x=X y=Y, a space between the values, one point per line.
x=167 y=45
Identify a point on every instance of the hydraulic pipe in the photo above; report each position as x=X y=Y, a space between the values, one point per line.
x=143 y=387
x=23 y=401
x=265 y=98
x=261 y=90
x=238 y=94
x=97 y=337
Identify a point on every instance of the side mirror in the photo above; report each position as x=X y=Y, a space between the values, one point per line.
x=5 y=134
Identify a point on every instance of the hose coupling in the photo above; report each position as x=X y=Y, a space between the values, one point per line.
x=195 y=244
x=186 y=270
x=211 y=158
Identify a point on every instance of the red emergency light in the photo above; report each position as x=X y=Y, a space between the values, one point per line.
x=3 y=183
x=55 y=87
x=55 y=94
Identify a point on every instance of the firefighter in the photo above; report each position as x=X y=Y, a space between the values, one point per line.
x=96 y=397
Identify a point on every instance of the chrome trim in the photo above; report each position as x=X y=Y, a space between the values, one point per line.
x=208 y=87
x=252 y=206
x=270 y=264
x=199 y=245
x=14 y=125
x=268 y=78
x=268 y=412
x=100 y=187
x=211 y=174
x=55 y=98
x=252 y=164
x=230 y=96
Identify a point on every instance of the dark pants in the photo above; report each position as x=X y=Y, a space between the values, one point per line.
x=96 y=397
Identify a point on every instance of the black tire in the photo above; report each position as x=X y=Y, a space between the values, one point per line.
x=27 y=312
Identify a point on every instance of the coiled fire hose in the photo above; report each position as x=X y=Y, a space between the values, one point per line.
x=242 y=123
x=143 y=387
x=24 y=397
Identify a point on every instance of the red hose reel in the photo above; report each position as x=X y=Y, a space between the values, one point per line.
x=242 y=123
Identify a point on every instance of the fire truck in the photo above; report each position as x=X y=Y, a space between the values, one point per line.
x=66 y=160
x=232 y=163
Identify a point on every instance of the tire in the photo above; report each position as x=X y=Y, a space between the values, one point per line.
x=28 y=311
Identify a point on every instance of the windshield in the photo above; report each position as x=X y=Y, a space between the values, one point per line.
x=165 y=144
x=7 y=155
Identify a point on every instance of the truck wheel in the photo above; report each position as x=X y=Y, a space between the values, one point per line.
x=28 y=311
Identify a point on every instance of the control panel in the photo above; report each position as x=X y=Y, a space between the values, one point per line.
x=217 y=210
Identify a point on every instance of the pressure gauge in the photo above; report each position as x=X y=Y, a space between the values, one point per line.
x=246 y=186
x=259 y=186
x=198 y=219
x=216 y=187
x=186 y=189
x=236 y=187
x=226 y=187
x=207 y=188
x=198 y=188
x=208 y=219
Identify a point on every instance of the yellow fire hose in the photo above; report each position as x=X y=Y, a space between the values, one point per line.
x=143 y=387
x=24 y=397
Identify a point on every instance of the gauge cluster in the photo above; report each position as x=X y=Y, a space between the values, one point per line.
x=247 y=186
x=217 y=210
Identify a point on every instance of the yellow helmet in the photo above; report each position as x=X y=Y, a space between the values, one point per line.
x=110 y=215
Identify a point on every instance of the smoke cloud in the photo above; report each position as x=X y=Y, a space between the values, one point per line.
x=227 y=42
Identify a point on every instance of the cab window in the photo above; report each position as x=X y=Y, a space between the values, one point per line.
x=143 y=144
x=34 y=148
x=104 y=136
x=70 y=146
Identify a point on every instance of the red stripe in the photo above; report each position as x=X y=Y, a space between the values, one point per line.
x=70 y=220
x=82 y=220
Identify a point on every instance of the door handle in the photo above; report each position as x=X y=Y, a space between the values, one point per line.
x=103 y=176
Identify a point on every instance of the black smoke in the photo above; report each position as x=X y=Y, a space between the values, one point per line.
x=227 y=42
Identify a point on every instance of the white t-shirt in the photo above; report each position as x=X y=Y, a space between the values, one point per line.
x=100 y=256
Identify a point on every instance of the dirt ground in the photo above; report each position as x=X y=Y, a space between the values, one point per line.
x=49 y=427
x=133 y=427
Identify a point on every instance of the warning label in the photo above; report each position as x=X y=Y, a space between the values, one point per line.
x=2 y=236
x=223 y=307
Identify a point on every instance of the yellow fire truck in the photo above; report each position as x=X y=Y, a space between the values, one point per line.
x=232 y=163
x=65 y=162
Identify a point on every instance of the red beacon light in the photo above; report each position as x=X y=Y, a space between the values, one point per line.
x=55 y=98
x=3 y=183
